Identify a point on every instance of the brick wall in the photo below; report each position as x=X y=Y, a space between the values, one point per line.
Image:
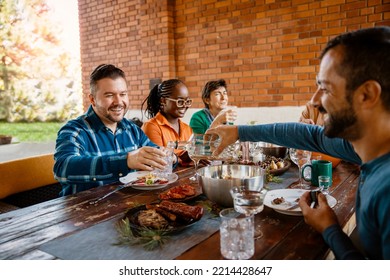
x=266 y=50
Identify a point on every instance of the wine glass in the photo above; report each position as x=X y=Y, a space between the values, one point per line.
x=300 y=158
x=249 y=202
x=201 y=147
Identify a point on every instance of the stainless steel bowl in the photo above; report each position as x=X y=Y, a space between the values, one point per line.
x=273 y=150
x=217 y=180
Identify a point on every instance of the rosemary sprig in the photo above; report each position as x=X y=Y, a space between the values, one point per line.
x=272 y=178
x=148 y=238
x=210 y=207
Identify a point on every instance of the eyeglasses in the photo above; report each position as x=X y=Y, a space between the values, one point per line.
x=181 y=102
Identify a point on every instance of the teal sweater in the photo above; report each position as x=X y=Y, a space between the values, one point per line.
x=201 y=121
x=373 y=195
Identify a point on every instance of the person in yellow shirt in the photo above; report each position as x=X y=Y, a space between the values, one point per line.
x=166 y=104
x=311 y=115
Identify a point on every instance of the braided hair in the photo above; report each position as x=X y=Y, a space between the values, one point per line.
x=153 y=101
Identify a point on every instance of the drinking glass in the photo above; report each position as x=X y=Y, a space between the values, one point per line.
x=236 y=232
x=231 y=115
x=300 y=158
x=324 y=184
x=169 y=156
x=249 y=203
x=201 y=147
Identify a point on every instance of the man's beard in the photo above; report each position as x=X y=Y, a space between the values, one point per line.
x=108 y=114
x=342 y=124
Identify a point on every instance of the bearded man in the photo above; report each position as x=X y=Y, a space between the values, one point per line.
x=354 y=97
x=100 y=146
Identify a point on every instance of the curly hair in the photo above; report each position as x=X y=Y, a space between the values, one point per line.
x=209 y=87
x=153 y=101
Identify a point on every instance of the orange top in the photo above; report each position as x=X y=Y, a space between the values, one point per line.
x=311 y=112
x=160 y=131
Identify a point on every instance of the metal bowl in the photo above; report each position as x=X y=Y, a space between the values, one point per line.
x=217 y=181
x=273 y=150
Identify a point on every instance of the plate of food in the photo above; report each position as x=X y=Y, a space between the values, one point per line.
x=165 y=216
x=285 y=201
x=145 y=180
x=181 y=193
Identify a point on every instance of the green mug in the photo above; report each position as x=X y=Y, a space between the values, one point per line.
x=318 y=168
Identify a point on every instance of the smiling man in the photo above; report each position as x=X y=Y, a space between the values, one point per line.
x=100 y=146
x=354 y=97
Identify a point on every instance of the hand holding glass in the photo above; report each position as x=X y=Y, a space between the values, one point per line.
x=231 y=115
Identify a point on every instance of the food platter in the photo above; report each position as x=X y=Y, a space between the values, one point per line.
x=132 y=180
x=182 y=193
x=290 y=197
x=132 y=216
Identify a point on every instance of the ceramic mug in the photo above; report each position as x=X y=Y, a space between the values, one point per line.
x=318 y=168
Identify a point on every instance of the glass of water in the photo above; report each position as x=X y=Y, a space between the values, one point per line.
x=236 y=230
x=169 y=157
x=324 y=184
x=249 y=203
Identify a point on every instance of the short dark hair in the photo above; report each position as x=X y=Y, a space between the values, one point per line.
x=209 y=87
x=366 y=56
x=104 y=71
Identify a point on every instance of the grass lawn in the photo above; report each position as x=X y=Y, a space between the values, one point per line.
x=31 y=132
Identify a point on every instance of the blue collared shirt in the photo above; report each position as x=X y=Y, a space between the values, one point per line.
x=88 y=154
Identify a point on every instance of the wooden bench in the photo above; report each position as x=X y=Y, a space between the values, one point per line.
x=27 y=181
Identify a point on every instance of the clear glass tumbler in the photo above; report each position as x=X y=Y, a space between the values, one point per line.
x=324 y=184
x=236 y=230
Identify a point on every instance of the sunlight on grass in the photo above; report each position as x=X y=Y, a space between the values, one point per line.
x=31 y=132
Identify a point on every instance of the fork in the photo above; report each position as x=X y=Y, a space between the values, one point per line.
x=108 y=194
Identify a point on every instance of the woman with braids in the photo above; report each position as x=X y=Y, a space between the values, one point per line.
x=165 y=106
x=215 y=99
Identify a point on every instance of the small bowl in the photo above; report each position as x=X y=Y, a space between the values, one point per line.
x=5 y=139
x=273 y=150
x=217 y=181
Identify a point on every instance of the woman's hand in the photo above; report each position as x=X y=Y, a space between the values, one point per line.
x=221 y=118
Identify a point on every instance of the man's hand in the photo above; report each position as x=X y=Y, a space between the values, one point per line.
x=146 y=158
x=320 y=217
x=228 y=135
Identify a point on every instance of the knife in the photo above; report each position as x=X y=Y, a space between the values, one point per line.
x=293 y=206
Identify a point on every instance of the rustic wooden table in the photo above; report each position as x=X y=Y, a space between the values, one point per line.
x=23 y=231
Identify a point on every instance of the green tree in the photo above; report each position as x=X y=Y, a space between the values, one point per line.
x=33 y=63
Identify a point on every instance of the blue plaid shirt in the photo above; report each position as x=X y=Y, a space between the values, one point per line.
x=88 y=154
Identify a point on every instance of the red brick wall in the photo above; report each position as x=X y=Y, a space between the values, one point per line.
x=266 y=50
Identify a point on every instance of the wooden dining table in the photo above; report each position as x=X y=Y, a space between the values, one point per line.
x=26 y=232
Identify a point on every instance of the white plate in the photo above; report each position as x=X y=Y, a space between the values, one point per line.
x=290 y=196
x=135 y=175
